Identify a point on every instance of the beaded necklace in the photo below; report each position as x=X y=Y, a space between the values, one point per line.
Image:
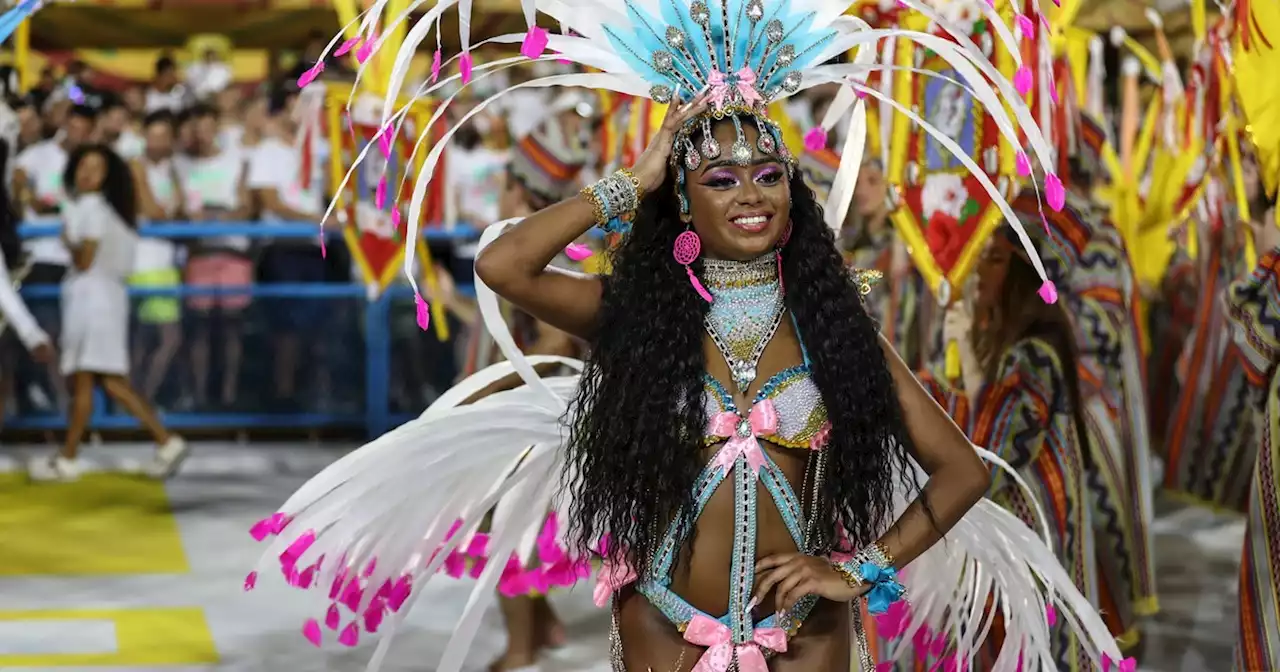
x=746 y=312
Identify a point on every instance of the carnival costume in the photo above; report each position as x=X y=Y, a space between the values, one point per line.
x=377 y=525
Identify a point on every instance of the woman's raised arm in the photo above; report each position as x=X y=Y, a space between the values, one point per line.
x=516 y=264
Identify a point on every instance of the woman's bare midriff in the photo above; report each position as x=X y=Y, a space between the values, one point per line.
x=701 y=577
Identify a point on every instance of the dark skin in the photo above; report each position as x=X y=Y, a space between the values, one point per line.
x=515 y=266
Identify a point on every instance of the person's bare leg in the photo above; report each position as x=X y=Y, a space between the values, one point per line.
x=520 y=616
x=81 y=408
x=286 y=365
x=234 y=349
x=551 y=631
x=122 y=392
x=170 y=341
x=200 y=351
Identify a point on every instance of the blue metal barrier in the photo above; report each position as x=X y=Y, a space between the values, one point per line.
x=376 y=417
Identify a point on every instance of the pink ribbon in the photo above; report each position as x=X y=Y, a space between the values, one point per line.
x=705 y=631
x=721 y=87
x=763 y=421
x=611 y=578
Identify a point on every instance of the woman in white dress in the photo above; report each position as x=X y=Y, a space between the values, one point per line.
x=100 y=220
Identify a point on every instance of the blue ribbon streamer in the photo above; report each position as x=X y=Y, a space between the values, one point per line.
x=885 y=588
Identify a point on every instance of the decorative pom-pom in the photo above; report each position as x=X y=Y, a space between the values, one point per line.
x=1023 y=164
x=1054 y=193
x=1025 y=25
x=578 y=251
x=310 y=75
x=311 y=630
x=435 y=66
x=350 y=635
x=1048 y=292
x=347 y=46
x=1022 y=80
x=816 y=139
x=464 y=66
x=424 y=313
x=535 y=42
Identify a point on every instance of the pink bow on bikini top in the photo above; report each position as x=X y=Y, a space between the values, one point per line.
x=744 y=435
x=708 y=632
x=611 y=578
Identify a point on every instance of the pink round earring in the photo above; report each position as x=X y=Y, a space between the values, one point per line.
x=687 y=248
x=786 y=236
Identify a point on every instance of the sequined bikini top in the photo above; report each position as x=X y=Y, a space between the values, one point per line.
x=788 y=411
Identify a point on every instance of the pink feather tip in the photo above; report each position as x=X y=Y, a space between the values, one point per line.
x=435 y=66
x=1026 y=25
x=1024 y=164
x=250 y=581
x=395 y=219
x=1053 y=91
x=311 y=630
x=1022 y=80
x=365 y=50
x=578 y=251
x=535 y=42
x=464 y=66
x=1048 y=292
x=1050 y=614
x=424 y=312
x=816 y=139
x=385 y=138
x=350 y=635
x=380 y=196
x=347 y=46
x=324 y=251
x=1054 y=193
x=310 y=75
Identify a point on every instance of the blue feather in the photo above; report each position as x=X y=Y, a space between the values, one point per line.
x=676 y=13
x=10 y=20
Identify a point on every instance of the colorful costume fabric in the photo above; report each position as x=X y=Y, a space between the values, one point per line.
x=1254 y=306
x=1025 y=416
x=1210 y=436
x=1171 y=316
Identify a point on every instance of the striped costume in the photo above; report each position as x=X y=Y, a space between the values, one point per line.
x=1097 y=287
x=1254 y=307
x=1170 y=318
x=1210 y=436
x=1025 y=416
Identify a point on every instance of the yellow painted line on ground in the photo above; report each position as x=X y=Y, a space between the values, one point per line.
x=161 y=636
x=103 y=524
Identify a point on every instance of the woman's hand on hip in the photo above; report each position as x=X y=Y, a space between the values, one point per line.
x=651 y=168
x=794 y=575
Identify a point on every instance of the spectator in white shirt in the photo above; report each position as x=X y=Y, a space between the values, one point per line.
x=283 y=193
x=156 y=265
x=208 y=76
x=214 y=189
x=100 y=222
x=167 y=91
x=115 y=129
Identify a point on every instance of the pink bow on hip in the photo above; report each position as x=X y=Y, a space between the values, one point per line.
x=721 y=87
x=611 y=578
x=714 y=635
x=744 y=435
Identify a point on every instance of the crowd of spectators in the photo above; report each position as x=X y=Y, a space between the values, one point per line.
x=203 y=150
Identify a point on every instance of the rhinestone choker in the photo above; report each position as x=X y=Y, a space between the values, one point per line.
x=746 y=312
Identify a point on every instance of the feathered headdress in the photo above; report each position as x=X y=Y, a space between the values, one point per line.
x=745 y=53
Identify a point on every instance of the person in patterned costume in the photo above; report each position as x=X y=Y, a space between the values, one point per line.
x=1254 y=309
x=1021 y=397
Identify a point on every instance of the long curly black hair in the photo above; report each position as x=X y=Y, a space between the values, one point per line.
x=117 y=186
x=639 y=412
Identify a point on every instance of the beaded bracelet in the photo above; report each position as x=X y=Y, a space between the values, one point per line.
x=615 y=200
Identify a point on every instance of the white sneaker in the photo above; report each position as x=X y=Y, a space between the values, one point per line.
x=168 y=458
x=55 y=469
